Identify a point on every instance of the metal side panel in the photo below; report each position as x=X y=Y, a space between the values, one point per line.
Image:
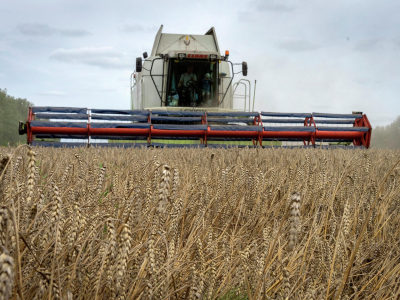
x=176 y=119
x=152 y=86
x=179 y=127
x=235 y=128
x=161 y=145
x=120 y=145
x=290 y=115
x=197 y=43
x=338 y=129
x=120 y=118
x=290 y=128
x=227 y=103
x=120 y=125
x=292 y=121
x=327 y=115
x=59 y=124
x=177 y=113
x=137 y=112
x=212 y=32
x=156 y=41
x=230 y=120
x=77 y=110
x=48 y=116
x=60 y=136
x=233 y=114
x=58 y=144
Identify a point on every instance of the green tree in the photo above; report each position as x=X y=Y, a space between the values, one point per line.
x=387 y=136
x=12 y=110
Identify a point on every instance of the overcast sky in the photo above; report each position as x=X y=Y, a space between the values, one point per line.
x=307 y=56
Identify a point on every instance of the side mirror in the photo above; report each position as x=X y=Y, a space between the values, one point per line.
x=138 y=64
x=22 y=128
x=145 y=55
x=244 y=68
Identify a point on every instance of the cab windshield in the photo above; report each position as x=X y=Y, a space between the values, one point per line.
x=192 y=83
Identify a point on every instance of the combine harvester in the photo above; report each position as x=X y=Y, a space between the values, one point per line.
x=182 y=95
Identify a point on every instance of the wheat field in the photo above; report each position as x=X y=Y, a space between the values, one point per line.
x=199 y=224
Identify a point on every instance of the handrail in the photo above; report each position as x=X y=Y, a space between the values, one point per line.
x=245 y=92
x=237 y=83
x=249 y=90
x=132 y=87
x=254 y=95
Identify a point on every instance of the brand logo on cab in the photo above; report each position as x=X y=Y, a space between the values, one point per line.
x=197 y=56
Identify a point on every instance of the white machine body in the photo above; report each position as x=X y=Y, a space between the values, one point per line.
x=159 y=84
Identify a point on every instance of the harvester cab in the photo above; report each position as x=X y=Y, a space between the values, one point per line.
x=184 y=71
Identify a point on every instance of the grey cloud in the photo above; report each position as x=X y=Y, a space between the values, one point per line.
x=397 y=41
x=297 y=45
x=52 y=93
x=38 y=29
x=73 y=32
x=361 y=80
x=102 y=90
x=104 y=57
x=273 y=5
x=367 y=44
x=245 y=17
x=137 y=28
x=321 y=106
x=368 y=80
x=35 y=29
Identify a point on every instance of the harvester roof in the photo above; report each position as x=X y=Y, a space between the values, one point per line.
x=165 y=42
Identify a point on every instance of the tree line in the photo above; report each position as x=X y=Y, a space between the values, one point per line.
x=12 y=110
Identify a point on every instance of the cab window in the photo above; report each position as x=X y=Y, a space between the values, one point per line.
x=192 y=83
